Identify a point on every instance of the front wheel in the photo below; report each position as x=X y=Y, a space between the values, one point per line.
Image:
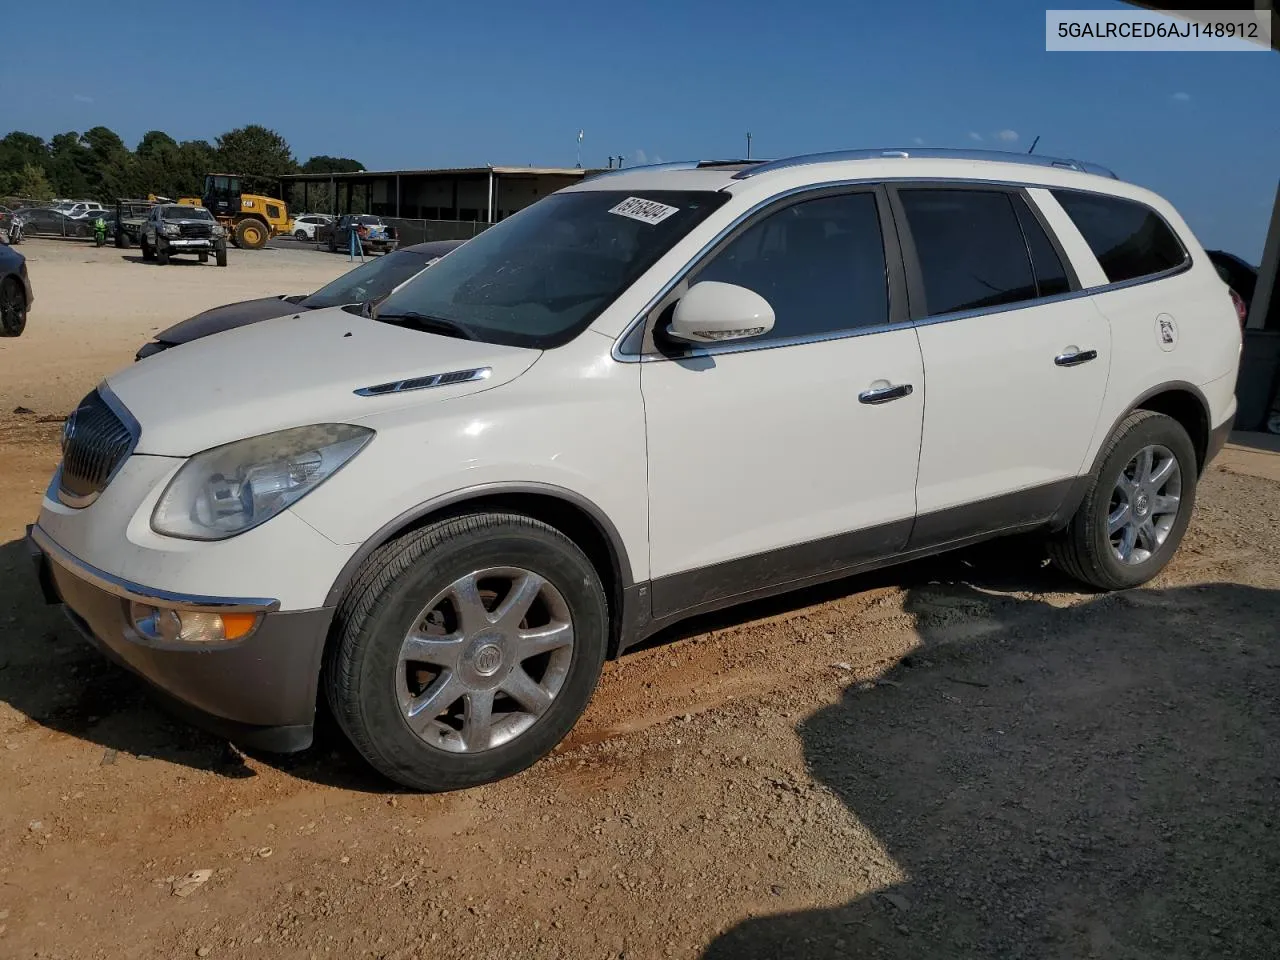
x=251 y=234
x=1137 y=508
x=162 y=254
x=299 y=234
x=220 y=254
x=467 y=650
x=13 y=308
x=147 y=252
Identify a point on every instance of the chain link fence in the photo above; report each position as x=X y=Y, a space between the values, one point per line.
x=421 y=231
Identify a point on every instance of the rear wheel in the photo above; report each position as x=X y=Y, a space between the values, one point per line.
x=251 y=234
x=13 y=308
x=204 y=256
x=467 y=650
x=299 y=234
x=1137 y=507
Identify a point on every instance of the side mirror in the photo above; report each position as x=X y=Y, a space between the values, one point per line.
x=715 y=312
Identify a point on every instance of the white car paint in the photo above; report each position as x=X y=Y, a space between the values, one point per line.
x=307 y=223
x=691 y=464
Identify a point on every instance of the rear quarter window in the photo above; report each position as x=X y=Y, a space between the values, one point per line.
x=1129 y=239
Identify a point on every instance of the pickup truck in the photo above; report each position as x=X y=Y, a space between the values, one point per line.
x=178 y=228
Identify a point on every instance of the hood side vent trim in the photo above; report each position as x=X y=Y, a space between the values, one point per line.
x=425 y=383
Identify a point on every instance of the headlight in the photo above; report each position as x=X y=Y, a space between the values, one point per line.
x=218 y=231
x=233 y=488
x=170 y=229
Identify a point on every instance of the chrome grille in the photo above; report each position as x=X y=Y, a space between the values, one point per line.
x=95 y=441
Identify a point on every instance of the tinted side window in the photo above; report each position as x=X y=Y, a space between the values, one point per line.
x=970 y=247
x=1129 y=239
x=820 y=264
x=1051 y=275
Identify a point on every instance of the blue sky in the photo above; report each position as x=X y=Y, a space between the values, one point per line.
x=402 y=83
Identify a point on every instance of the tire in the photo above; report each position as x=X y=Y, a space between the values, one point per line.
x=1086 y=549
x=300 y=235
x=252 y=234
x=13 y=308
x=220 y=254
x=333 y=243
x=147 y=252
x=204 y=256
x=367 y=683
x=162 y=254
x=123 y=241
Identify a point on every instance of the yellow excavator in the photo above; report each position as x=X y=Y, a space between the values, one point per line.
x=251 y=219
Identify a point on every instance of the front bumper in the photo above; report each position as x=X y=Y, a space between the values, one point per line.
x=188 y=244
x=259 y=691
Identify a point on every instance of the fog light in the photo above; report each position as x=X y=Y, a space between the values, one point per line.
x=190 y=626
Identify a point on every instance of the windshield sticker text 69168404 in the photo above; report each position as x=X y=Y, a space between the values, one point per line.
x=646 y=211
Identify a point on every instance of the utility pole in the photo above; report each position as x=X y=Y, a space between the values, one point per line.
x=748 y=144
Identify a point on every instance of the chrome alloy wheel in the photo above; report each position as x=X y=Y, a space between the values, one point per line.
x=485 y=659
x=1144 y=504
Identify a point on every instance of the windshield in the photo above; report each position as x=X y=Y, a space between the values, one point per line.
x=369 y=281
x=539 y=278
x=181 y=212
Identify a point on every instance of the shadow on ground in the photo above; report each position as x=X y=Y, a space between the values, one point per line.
x=54 y=677
x=1095 y=781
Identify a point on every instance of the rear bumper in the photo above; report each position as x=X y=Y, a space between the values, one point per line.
x=1218 y=439
x=259 y=692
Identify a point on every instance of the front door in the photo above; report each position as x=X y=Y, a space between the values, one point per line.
x=789 y=456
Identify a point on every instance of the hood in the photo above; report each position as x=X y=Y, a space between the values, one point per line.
x=226 y=318
x=295 y=370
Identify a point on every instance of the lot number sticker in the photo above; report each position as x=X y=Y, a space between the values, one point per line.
x=646 y=211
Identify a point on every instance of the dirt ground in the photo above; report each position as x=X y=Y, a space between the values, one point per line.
x=960 y=758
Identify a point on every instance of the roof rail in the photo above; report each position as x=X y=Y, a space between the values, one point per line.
x=929 y=153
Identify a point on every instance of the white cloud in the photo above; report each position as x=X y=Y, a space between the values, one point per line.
x=641 y=157
x=1007 y=135
x=1181 y=97
x=81 y=98
x=918 y=141
x=973 y=135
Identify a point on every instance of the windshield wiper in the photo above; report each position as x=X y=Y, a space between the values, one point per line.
x=420 y=321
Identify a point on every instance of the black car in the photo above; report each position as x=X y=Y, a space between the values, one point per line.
x=15 y=292
x=1239 y=275
x=366 y=284
x=45 y=221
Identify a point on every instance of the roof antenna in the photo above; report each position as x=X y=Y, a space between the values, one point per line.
x=1033 y=144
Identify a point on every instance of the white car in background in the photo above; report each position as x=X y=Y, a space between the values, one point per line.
x=81 y=209
x=653 y=394
x=304 y=227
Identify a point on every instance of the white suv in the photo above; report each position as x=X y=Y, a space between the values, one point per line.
x=652 y=394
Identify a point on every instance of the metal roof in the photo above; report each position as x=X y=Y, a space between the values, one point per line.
x=439 y=171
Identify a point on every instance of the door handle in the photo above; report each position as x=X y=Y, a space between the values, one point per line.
x=885 y=394
x=1075 y=359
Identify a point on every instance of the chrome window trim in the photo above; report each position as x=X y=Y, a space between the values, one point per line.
x=135 y=432
x=618 y=354
x=128 y=590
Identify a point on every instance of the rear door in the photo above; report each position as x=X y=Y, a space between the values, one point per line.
x=1017 y=366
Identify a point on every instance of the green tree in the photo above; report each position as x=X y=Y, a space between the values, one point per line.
x=17 y=149
x=255 y=153
x=29 y=183
x=111 y=170
x=327 y=164
x=69 y=165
